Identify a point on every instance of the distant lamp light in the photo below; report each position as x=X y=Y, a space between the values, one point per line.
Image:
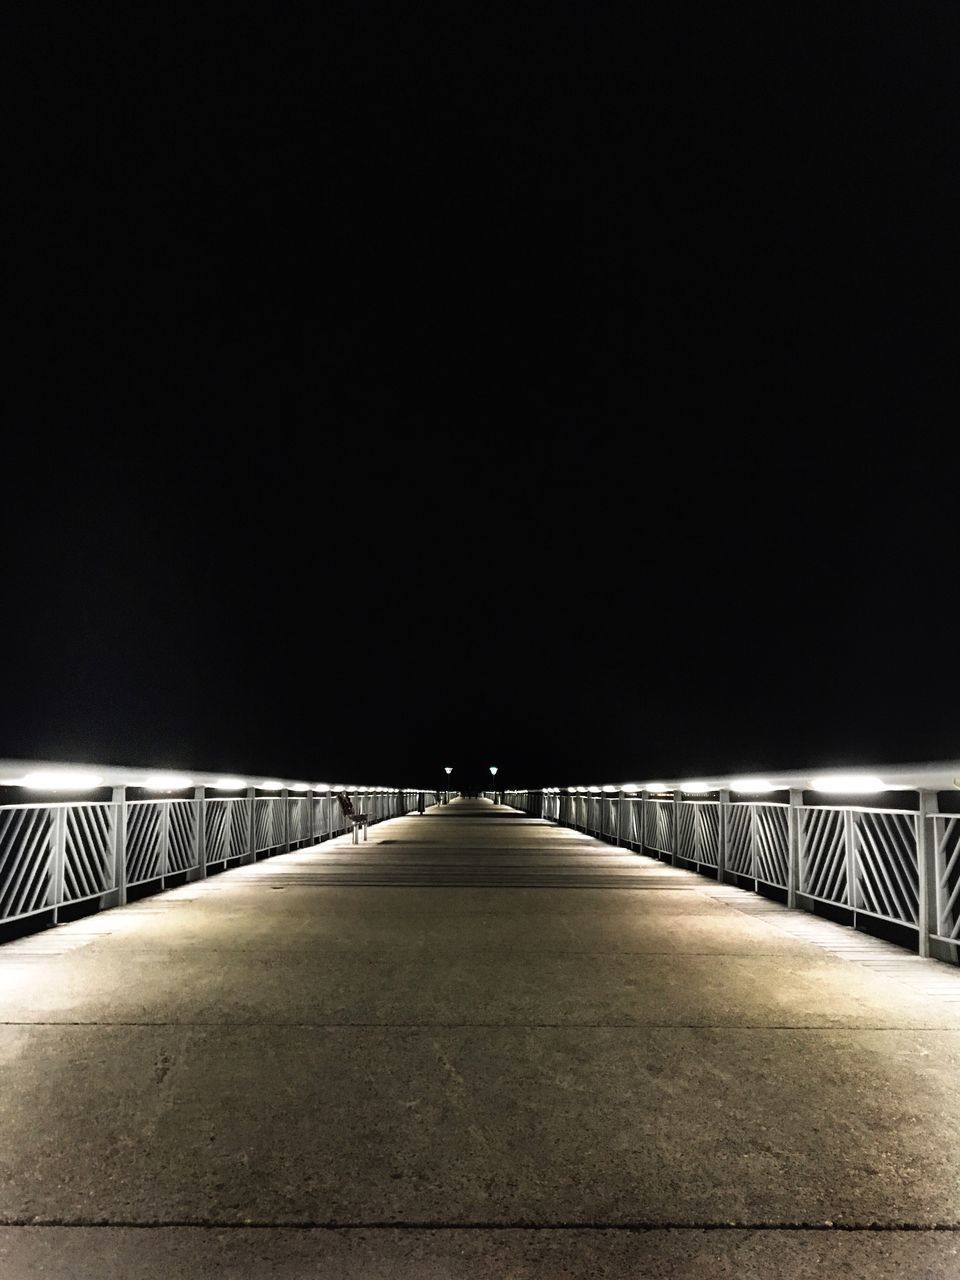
x=321 y=786
x=229 y=784
x=608 y=789
x=270 y=784
x=593 y=790
x=168 y=782
x=751 y=786
x=299 y=786
x=447 y=769
x=856 y=784
x=493 y=770
x=61 y=780
x=656 y=786
x=696 y=788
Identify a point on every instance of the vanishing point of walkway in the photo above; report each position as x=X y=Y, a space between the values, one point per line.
x=477 y=1046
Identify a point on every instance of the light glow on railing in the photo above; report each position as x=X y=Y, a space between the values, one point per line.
x=270 y=784
x=656 y=786
x=696 y=788
x=230 y=784
x=850 y=784
x=167 y=782
x=751 y=786
x=61 y=780
x=299 y=786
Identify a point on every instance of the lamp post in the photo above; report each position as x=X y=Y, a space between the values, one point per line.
x=493 y=774
x=447 y=769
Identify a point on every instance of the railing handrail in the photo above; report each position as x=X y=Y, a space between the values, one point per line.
x=877 y=862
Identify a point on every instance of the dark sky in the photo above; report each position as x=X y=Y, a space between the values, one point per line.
x=571 y=389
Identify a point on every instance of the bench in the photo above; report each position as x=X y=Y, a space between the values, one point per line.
x=357 y=820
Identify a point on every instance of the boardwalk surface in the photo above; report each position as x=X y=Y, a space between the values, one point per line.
x=477 y=1046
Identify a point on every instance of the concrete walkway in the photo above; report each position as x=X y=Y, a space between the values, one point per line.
x=478 y=1046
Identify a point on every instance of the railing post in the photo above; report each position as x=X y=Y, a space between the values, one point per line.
x=620 y=818
x=928 y=912
x=231 y=810
x=675 y=842
x=793 y=846
x=285 y=802
x=723 y=817
x=850 y=849
x=119 y=799
x=58 y=855
x=164 y=841
x=200 y=848
x=251 y=795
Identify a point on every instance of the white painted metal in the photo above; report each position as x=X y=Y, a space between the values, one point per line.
x=73 y=851
x=900 y=866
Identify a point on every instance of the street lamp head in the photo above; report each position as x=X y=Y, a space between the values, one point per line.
x=493 y=770
x=447 y=770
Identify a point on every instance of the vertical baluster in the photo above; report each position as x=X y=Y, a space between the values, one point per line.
x=794 y=879
x=119 y=894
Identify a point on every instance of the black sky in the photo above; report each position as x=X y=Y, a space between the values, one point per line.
x=571 y=389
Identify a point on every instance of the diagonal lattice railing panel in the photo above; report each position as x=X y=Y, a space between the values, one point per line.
x=823 y=855
x=687 y=830
x=144 y=827
x=946 y=835
x=635 y=821
x=87 y=851
x=181 y=835
x=26 y=849
x=650 y=824
x=297 y=828
x=888 y=883
x=238 y=822
x=278 y=822
x=270 y=823
x=708 y=834
x=335 y=821
x=610 y=817
x=317 y=819
x=659 y=825
x=773 y=851
x=593 y=814
x=215 y=823
x=740 y=839
x=262 y=823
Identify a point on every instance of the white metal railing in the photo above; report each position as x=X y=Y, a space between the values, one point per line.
x=896 y=865
x=58 y=853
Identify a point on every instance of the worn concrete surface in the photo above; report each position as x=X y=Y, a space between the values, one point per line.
x=300 y=1070
x=58 y=1253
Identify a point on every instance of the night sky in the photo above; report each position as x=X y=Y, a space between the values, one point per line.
x=571 y=389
